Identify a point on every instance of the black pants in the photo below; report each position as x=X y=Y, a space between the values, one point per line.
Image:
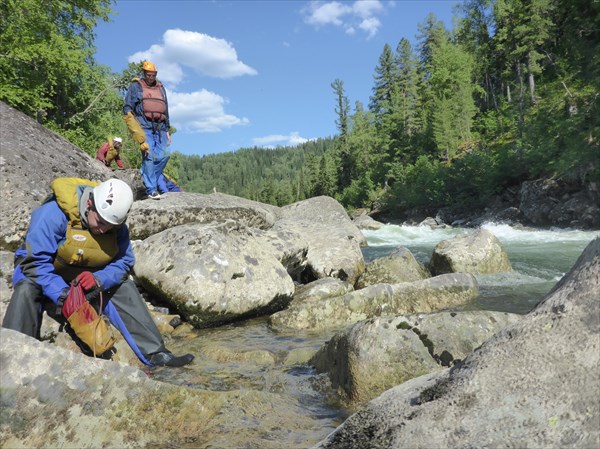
x=24 y=314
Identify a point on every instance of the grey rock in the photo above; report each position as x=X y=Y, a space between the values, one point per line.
x=399 y=266
x=214 y=273
x=479 y=252
x=150 y=217
x=32 y=156
x=334 y=242
x=424 y=296
x=533 y=384
x=366 y=222
x=374 y=355
x=51 y=397
x=321 y=289
x=552 y=203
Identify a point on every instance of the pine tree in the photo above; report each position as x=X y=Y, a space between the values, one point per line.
x=381 y=101
x=452 y=89
x=431 y=34
x=344 y=155
x=473 y=35
x=408 y=102
x=523 y=30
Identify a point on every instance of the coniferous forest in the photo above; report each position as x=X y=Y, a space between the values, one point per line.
x=510 y=93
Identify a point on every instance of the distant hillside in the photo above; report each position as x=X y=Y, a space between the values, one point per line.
x=276 y=176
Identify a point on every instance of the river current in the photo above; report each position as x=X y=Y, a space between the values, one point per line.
x=539 y=259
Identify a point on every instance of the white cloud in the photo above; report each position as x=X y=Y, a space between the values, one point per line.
x=273 y=140
x=361 y=14
x=327 y=13
x=205 y=55
x=367 y=8
x=370 y=26
x=200 y=111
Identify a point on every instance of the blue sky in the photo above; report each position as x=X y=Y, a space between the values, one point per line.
x=249 y=73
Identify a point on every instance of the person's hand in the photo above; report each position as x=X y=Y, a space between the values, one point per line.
x=144 y=147
x=87 y=280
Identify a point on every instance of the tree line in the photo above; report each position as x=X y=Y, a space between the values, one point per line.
x=510 y=93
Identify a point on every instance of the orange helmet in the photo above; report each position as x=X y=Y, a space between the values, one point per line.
x=147 y=66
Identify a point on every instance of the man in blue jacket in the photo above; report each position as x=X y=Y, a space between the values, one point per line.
x=79 y=232
x=146 y=106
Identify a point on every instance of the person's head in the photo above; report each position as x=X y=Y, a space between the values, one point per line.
x=117 y=142
x=109 y=205
x=149 y=72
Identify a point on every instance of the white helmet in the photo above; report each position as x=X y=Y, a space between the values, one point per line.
x=113 y=199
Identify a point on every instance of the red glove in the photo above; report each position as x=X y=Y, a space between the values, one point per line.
x=87 y=280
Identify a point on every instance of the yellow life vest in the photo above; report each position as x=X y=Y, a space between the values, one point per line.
x=81 y=250
x=112 y=152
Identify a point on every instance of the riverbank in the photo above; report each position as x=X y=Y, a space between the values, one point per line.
x=254 y=379
x=542 y=204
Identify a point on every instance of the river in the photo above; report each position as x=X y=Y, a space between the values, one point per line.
x=539 y=259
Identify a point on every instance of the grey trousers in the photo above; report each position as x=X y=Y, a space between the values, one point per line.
x=24 y=314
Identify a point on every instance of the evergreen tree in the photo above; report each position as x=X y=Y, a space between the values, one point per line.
x=452 y=90
x=523 y=29
x=431 y=34
x=362 y=144
x=473 y=35
x=345 y=158
x=326 y=182
x=408 y=103
x=382 y=107
x=381 y=100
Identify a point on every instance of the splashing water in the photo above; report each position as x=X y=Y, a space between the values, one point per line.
x=539 y=258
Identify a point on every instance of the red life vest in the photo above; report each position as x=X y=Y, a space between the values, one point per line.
x=154 y=102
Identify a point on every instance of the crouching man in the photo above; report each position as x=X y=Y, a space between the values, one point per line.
x=79 y=233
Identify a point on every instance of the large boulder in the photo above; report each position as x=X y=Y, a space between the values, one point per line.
x=533 y=384
x=213 y=273
x=150 y=217
x=374 y=355
x=424 y=296
x=365 y=221
x=479 y=252
x=399 y=266
x=334 y=242
x=321 y=289
x=32 y=156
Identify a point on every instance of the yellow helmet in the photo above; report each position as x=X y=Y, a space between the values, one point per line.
x=147 y=66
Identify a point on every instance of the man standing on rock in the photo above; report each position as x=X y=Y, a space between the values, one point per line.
x=146 y=113
x=79 y=233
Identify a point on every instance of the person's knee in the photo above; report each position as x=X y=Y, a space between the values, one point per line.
x=126 y=291
x=24 y=309
x=26 y=291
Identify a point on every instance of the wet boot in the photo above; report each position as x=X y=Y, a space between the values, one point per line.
x=167 y=358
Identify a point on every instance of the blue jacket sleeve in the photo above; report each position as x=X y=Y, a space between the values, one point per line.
x=133 y=98
x=168 y=120
x=47 y=229
x=117 y=271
